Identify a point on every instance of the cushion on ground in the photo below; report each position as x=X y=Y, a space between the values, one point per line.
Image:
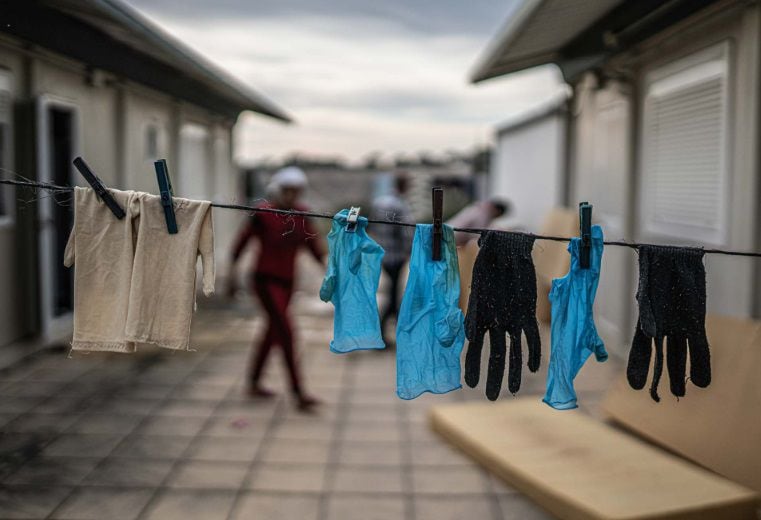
x=578 y=468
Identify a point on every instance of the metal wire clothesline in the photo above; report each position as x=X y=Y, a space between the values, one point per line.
x=253 y=209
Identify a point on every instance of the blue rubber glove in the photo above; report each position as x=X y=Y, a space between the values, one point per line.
x=430 y=333
x=574 y=335
x=351 y=281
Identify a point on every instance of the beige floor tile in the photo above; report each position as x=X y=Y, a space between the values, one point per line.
x=98 y=504
x=208 y=475
x=182 y=505
x=422 y=433
x=260 y=506
x=328 y=411
x=459 y=508
x=47 y=471
x=105 y=424
x=171 y=425
x=241 y=426
x=370 y=453
x=438 y=454
x=518 y=507
x=233 y=449
x=448 y=480
x=30 y=503
x=289 y=477
x=367 y=479
x=305 y=428
x=187 y=408
x=499 y=487
x=372 y=508
x=295 y=451
x=82 y=445
x=371 y=432
x=152 y=446
x=129 y=472
x=202 y=392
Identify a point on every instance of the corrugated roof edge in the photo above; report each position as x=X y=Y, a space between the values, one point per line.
x=482 y=70
x=213 y=75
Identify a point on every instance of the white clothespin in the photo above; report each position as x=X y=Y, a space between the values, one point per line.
x=351 y=220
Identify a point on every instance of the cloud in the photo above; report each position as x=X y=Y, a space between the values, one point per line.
x=425 y=16
x=357 y=82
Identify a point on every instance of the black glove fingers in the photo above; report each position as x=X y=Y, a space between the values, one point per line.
x=502 y=298
x=647 y=320
x=672 y=303
x=676 y=363
x=639 y=360
x=514 y=370
x=658 y=369
x=473 y=358
x=497 y=359
x=700 y=361
x=534 y=344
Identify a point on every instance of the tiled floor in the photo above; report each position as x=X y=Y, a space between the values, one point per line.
x=171 y=435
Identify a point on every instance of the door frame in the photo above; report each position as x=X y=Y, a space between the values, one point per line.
x=52 y=327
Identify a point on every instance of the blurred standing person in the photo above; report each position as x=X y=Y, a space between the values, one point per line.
x=478 y=215
x=395 y=240
x=273 y=273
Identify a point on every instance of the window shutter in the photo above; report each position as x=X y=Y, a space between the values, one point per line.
x=685 y=148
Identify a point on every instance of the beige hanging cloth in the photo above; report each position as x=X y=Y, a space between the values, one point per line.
x=163 y=289
x=101 y=249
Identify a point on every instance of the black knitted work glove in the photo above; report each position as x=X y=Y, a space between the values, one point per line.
x=672 y=304
x=502 y=301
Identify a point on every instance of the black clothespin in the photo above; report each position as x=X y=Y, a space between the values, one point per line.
x=585 y=225
x=438 y=209
x=165 y=188
x=99 y=188
x=351 y=219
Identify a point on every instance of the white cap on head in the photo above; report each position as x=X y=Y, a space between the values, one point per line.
x=290 y=177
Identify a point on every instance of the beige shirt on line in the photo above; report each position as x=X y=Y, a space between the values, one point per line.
x=137 y=286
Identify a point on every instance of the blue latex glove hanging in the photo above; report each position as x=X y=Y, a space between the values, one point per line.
x=574 y=335
x=351 y=281
x=430 y=334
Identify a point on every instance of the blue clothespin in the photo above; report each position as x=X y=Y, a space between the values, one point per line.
x=165 y=188
x=99 y=188
x=437 y=195
x=351 y=219
x=585 y=225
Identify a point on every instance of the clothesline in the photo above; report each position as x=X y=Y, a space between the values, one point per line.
x=241 y=207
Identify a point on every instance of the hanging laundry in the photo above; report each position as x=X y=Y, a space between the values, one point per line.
x=672 y=304
x=502 y=301
x=351 y=282
x=163 y=290
x=429 y=335
x=574 y=335
x=101 y=249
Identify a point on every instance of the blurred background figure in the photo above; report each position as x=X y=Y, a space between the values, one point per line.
x=273 y=273
x=395 y=240
x=478 y=215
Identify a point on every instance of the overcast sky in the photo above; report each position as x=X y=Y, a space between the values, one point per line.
x=357 y=75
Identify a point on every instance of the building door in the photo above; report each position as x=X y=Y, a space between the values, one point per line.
x=10 y=328
x=57 y=149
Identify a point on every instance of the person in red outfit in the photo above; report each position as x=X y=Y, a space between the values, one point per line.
x=273 y=273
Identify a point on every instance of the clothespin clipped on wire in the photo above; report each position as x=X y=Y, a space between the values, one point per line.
x=99 y=188
x=438 y=209
x=165 y=188
x=585 y=225
x=351 y=220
